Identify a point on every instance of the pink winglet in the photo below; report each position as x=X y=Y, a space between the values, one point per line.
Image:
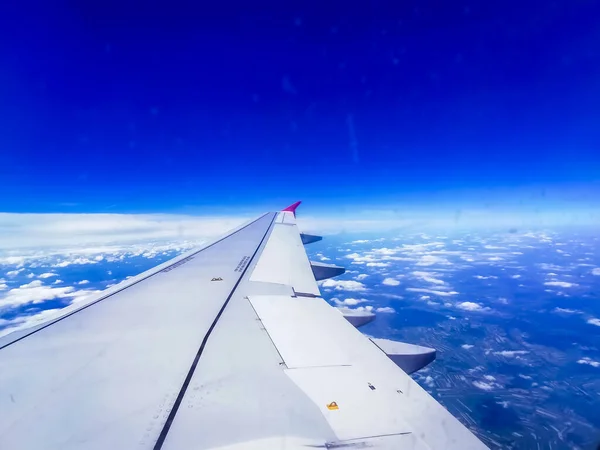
x=292 y=208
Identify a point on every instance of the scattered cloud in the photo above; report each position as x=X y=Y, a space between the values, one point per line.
x=391 y=282
x=483 y=385
x=385 y=309
x=588 y=361
x=428 y=277
x=27 y=321
x=566 y=311
x=430 y=260
x=83 y=282
x=594 y=321
x=14 y=273
x=377 y=264
x=471 y=306
x=48 y=275
x=511 y=353
x=429 y=381
x=433 y=292
x=75 y=261
x=564 y=284
x=467 y=346
x=34 y=292
x=596 y=271
x=349 y=301
x=361 y=276
x=367 y=308
x=344 y=285
x=353 y=256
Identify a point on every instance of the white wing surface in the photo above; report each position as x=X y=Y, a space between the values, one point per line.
x=227 y=347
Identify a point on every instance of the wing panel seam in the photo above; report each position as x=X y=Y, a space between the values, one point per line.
x=167 y=426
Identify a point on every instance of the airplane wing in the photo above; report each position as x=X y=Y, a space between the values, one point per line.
x=227 y=347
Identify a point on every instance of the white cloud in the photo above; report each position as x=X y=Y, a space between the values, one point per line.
x=428 y=277
x=14 y=273
x=471 y=306
x=482 y=277
x=596 y=271
x=385 y=251
x=83 y=282
x=424 y=297
x=58 y=282
x=483 y=385
x=21 y=322
x=3 y=286
x=12 y=260
x=566 y=311
x=511 y=353
x=433 y=292
x=564 y=284
x=48 y=275
x=377 y=264
x=467 y=346
x=429 y=381
x=367 y=308
x=516 y=277
x=430 y=260
x=594 y=321
x=349 y=301
x=361 y=276
x=37 y=230
x=344 y=285
x=588 y=361
x=385 y=309
x=525 y=377
x=391 y=282
x=33 y=292
x=76 y=261
x=489 y=377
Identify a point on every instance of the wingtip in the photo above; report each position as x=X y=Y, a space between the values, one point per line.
x=292 y=208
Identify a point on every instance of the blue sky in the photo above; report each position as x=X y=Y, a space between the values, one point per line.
x=189 y=108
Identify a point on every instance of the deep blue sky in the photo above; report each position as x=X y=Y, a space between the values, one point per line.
x=117 y=106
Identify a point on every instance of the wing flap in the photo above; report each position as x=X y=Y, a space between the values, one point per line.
x=302 y=329
x=331 y=361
